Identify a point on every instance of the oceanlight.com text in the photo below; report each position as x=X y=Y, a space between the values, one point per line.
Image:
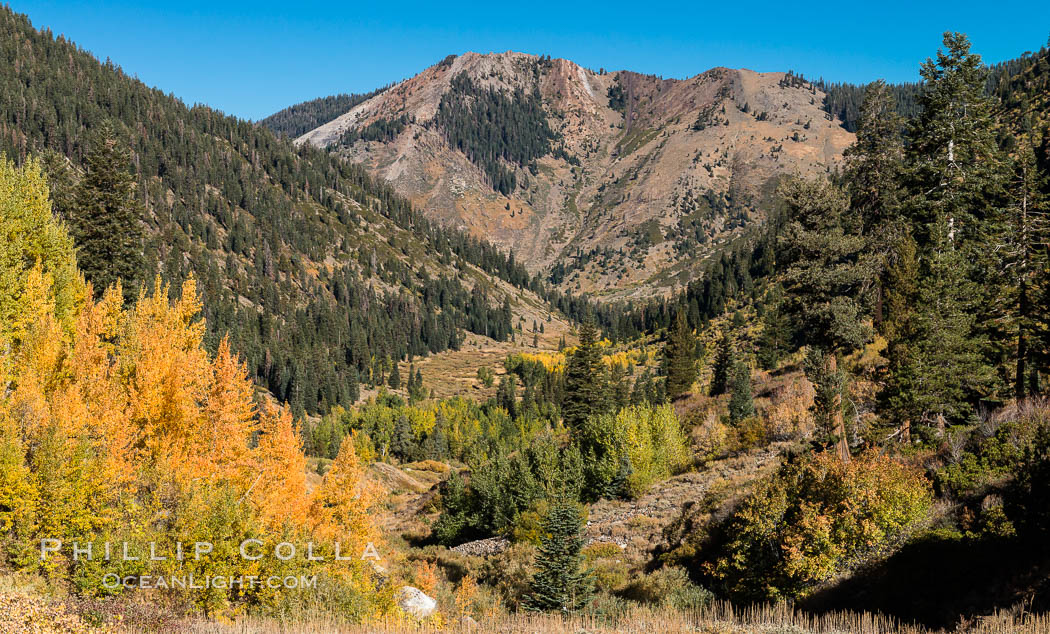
x=248 y=582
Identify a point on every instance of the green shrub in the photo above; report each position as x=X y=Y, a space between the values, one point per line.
x=626 y=453
x=986 y=459
x=809 y=521
x=668 y=587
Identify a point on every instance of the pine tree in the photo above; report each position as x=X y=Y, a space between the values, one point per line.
x=741 y=401
x=936 y=369
x=829 y=384
x=585 y=380
x=946 y=312
x=679 y=359
x=775 y=338
x=824 y=280
x=953 y=163
x=1019 y=235
x=507 y=395
x=824 y=272
x=106 y=220
x=416 y=390
x=725 y=361
x=874 y=164
x=394 y=381
x=559 y=584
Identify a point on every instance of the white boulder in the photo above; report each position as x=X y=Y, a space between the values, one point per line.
x=415 y=602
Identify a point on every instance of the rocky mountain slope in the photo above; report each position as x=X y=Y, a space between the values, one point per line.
x=614 y=183
x=321 y=276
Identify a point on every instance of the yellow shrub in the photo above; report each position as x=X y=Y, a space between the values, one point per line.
x=789 y=415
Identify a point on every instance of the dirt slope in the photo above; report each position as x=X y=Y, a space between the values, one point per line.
x=667 y=169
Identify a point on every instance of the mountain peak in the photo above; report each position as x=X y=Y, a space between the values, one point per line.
x=612 y=182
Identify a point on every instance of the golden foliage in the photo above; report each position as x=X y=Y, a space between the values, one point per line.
x=343 y=508
x=789 y=415
x=426 y=577
x=116 y=423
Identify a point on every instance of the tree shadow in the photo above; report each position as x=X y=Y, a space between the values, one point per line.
x=939 y=581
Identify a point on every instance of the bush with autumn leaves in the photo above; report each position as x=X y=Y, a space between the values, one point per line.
x=816 y=517
x=116 y=425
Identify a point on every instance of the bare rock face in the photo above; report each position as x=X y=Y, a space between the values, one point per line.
x=414 y=602
x=645 y=179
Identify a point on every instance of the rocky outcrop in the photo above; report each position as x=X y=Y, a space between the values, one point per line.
x=415 y=602
x=482 y=547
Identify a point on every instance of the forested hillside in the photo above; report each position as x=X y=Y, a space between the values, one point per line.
x=843 y=100
x=303 y=117
x=309 y=264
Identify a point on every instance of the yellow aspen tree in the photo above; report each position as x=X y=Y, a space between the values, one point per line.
x=39 y=355
x=279 y=487
x=344 y=505
x=31 y=235
x=168 y=376
x=230 y=416
x=98 y=383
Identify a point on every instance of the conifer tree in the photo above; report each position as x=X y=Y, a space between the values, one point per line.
x=936 y=369
x=106 y=219
x=953 y=173
x=507 y=394
x=394 y=381
x=585 y=379
x=679 y=358
x=874 y=164
x=416 y=390
x=741 y=401
x=559 y=584
x=875 y=160
x=953 y=163
x=725 y=361
x=824 y=271
x=775 y=338
x=824 y=281
x=1019 y=235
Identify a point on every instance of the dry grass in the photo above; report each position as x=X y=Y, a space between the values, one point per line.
x=720 y=618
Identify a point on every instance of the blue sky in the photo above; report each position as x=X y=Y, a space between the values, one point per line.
x=253 y=58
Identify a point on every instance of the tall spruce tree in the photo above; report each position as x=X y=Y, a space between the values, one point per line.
x=937 y=365
x=1040 y=351
x=874 y=164
x=1019 y=235
x=679 y=358
x=585 y=379
x=724 y=362
x=741 y=400
x=776 y=330
x=954 y=166
x=936 y=370
x=559 y=584
x=106 y=218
